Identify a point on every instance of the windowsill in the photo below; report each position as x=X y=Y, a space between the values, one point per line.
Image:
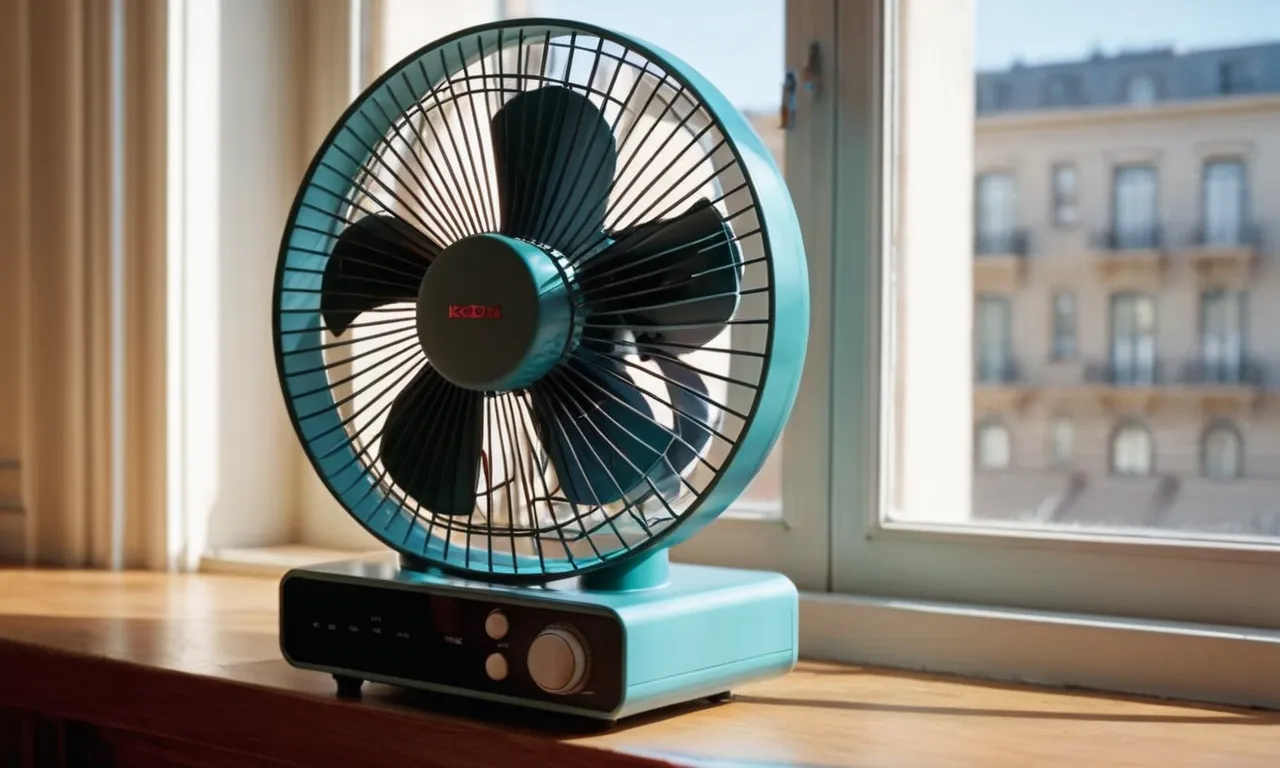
x=1105 y=653
x=191 y=661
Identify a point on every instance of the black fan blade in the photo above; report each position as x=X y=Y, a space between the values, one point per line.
x=434 y=456
x=601 y=448
x=554 y=155
x=377 y=260
x=677 y=272
x=692 y=414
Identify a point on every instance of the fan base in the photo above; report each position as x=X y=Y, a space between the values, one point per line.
x=603 y=654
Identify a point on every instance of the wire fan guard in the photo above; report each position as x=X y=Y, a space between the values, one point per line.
x=653 y=221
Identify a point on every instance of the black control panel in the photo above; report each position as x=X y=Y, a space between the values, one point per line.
x=413 y=634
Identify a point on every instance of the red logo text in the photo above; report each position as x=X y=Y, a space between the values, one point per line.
x=474 y=312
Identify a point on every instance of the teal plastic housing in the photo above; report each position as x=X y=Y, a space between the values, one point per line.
x=704 y=632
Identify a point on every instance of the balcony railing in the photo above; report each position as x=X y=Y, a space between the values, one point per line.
x=1126 y=373
x=1129 y=239
x=1244 y=235
x=996 y=372
x=1012 y=242
x=1241 y=372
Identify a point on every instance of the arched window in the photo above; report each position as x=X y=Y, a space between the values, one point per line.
x=1131 y=451
x=1062 y=440
x=994 y=446
x=1222 y=452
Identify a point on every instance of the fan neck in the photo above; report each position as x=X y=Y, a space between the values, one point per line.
x=642 y=572
x=495 y=313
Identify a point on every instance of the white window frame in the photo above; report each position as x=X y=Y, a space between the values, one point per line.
x=1166 y=616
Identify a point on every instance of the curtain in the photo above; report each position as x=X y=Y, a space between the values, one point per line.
x=82 y=118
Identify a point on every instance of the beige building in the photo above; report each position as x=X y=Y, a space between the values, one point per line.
x=1127 y=298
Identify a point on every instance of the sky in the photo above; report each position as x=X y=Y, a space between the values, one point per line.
x=738 y=44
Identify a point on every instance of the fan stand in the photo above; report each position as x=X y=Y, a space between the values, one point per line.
x=641 y=635
x=649 y=571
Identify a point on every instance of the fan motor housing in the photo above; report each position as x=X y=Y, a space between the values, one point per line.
x=495 y=313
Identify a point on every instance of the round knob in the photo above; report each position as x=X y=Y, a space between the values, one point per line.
x=496 y=625
x=558 y=660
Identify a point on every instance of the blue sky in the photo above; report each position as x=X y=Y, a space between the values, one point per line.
x=738 y=43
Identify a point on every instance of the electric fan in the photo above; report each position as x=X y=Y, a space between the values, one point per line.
x=540 y=313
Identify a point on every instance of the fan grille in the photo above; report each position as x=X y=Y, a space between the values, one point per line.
x=487 y=132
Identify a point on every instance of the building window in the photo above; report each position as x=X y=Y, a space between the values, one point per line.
x=1064 y=326
x=1141 y=89
x=1234 y=77
x=1004 y=95
x=1223 y=202
x=1133 y=207
x=1062 y=442
x=1221 y=336
x=1222 y=452
x=994 y=328
x=1133 y=339
x=996 y=213
x=1131 y=451
x=995 y=446
x=1066 y=212
x=1063 y=91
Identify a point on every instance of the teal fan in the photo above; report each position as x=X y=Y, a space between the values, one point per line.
x=540 y=308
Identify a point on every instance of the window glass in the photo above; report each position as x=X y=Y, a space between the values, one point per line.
x=1131 y=451
x=994 y=448
x=1222 y=453
x=1065 y=210
x=1064 y=325
x=1131 y=328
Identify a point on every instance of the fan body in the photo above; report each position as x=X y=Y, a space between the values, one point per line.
x=540 y=314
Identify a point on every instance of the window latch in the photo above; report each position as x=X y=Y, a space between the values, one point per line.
x=809 y=78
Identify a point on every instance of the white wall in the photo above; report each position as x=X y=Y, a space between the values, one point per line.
x=235 y=170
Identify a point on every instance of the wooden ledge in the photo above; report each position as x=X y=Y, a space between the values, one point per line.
x=186 y=668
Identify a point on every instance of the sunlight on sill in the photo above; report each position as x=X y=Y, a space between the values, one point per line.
x=271 y=561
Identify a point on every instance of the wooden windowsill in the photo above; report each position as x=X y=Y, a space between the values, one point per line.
x=192 y=659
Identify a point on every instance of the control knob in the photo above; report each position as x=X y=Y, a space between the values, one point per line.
x=558 y=660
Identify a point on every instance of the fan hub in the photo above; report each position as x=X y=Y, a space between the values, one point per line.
x=494 y=313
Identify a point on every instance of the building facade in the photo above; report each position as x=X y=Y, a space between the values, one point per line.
x=1127 y=294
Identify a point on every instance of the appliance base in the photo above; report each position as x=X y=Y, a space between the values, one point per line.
x=558 y=647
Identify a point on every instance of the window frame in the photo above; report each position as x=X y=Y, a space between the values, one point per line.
x=1086 y=609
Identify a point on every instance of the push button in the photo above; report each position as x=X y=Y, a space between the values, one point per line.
x=496 y=666
x=496 y=625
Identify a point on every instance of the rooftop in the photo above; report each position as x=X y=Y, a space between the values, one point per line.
x=1135 y=78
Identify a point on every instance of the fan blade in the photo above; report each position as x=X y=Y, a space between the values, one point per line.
x=377 y=260
x=601 y=448
x=434 y=456
x=692 y=415
x=554 y=155
x=684 y=271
